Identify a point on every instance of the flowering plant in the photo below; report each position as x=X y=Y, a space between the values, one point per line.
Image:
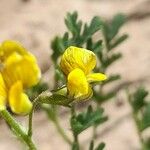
x=81 y=66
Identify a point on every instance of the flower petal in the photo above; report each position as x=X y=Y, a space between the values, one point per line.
x=8 y=47
x=96 y=77
x=23 y=68
x=87 y=96
x=3 y=94
x=18 y=100
x=77 y=84
x=75 y=57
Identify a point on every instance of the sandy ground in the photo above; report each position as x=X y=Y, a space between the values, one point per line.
x=36 y=22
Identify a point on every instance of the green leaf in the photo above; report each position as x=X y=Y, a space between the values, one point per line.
x=111 y=78
x=146 y=117
x=106 y=31
x=118 y=41
x=147 y=144
x=91 y=145
x=111 y=59
x=138 y=99
x=111 y=30
x=72 y=24
x=59 y=75
x=75 y=146
x=77 y=39
x=115 y=25
x=84 y=120
x=100 y=146
x=96 y=47
x=94 y=26
x=100 y=98
x=58 y=47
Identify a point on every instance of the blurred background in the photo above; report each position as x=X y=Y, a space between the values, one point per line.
x=36 y=22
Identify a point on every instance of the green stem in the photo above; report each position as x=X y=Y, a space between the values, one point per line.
x=56 y=121
x=52 y=115
x=58 y=127
x=76 y=141
x=94 y=133
x=61 y=131
x=94 y=136
x=30 y=122
x=35 y=102
x=17 y=128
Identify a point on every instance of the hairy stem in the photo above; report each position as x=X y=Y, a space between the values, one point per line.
x=30 y=122
x=17 y=128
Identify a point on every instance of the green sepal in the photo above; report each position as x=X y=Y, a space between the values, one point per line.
x=55 y=99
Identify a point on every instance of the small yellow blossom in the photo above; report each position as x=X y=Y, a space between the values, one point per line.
x=77 y=65
x=18 y=71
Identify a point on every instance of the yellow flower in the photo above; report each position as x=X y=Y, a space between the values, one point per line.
x=77 y=64
x=18 y=71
